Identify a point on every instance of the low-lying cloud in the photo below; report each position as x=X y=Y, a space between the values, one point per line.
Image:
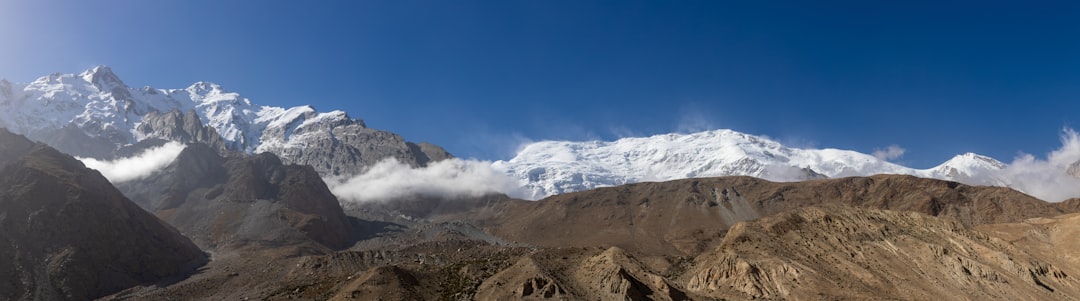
x=1048 y=178
x=390 y=179
x=138 y=166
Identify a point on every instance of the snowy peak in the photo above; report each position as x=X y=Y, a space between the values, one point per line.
x=207 y=93
x=553 y=167
x=204 y=88
x=973 y=160
x=970 y=168
x=103 y=78
x=93 y=113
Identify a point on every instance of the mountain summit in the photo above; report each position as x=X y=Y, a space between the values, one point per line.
x=93 y=113
x=554 y=167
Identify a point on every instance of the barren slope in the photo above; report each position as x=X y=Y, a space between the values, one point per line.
x=838 y=252
x=687 y=216
x=67 y=234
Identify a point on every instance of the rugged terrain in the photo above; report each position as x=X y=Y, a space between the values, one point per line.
x=67 y=234
x=94 y=113
x=882 y=237
x=688 y=216
x=247 y=193
x=244 y=202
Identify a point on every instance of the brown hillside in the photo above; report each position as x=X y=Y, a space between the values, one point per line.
x=838 y=252
x=687 y=216
x=67 y=234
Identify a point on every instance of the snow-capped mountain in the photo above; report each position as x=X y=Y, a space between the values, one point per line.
x=554 y=167
x=93 y=113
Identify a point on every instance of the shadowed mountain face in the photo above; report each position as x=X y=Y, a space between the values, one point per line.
x=67 y=234
x=688 y=216
x=244 y=202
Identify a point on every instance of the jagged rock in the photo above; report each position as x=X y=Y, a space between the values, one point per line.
x=94 y=113
x=525 y=280
x=244 y=202
x=616 y=275
x=427 y=152
x=181 y=127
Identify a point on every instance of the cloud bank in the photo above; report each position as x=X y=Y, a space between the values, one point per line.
x=390 y=179
x=1048 y=179
x=138 y=166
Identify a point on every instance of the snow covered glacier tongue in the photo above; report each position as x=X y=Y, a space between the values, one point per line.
x=553 y=167
x=94 y=113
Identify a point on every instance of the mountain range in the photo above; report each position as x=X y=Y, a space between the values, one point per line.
x=94 y=113
x=554 y=167
x=242 y=210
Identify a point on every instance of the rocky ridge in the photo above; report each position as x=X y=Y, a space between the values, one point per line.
x=244 y=202
x=67 y=234
x=94 y=113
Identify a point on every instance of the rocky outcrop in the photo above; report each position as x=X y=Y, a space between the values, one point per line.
x=525 y=280
x=381 y=283
x=67 y=234
x=427 y=152
x=343 y=147
x=839 y=252
x=616 y=275
x=180 y=127
x=229 y=203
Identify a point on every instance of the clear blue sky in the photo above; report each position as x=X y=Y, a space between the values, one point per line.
x=478 y=77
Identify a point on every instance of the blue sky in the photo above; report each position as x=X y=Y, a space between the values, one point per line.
x=478 y=77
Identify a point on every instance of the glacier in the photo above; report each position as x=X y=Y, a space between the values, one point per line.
x=553 y=167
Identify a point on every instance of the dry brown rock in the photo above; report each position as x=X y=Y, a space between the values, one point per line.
x=686 y=217
x=839 y=252
x=381 y=283
x=67 y=234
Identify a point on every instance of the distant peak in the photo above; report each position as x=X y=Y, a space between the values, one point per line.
x=203 y=87
x=977 y=158
x=103 y=77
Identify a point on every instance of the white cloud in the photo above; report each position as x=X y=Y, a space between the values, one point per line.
x=1047 y=179
x=889 y=153
x=138 y=166
x=390 y=179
